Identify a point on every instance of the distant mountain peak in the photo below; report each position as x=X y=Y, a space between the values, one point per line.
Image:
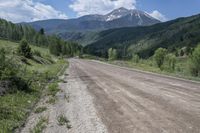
x=134 y=13
x=118 y=18
x=117 y=13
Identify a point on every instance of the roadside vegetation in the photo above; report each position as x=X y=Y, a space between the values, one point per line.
x=40 y=109
x=30 y=61
x=53 y=89
x=185 y=62
x=63 y=121
x=40 y=126
x=25 y=70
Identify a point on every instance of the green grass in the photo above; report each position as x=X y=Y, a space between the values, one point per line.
x=53 y=89
x=51 y=100
x=62 y=120
x=40 y=126
x=12 y=46
x=40 y=109
x=91 y=57
x=15 y=107
x=181 y=69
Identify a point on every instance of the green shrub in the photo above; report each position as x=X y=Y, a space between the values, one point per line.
x=135 y=58
x=53 y=88
x=170 y=62
x=194 y=62
x=7 y=68
x=159 y=56
x=10 y=72
x=24 y=49
x=112 y=54
x=20 y=84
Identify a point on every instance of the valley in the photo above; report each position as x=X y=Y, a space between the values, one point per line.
x=118 y=70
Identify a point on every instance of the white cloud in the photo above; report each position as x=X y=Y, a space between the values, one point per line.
x=85 y=7
x=156 y=14
x=27 y=10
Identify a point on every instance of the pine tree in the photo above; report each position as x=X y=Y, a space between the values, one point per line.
x=24 y=49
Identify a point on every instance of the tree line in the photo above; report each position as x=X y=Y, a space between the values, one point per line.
x=57 y=46
x=166 y=60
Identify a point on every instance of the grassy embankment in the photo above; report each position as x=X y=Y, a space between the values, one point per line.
x=16 y=105
x=181 y=67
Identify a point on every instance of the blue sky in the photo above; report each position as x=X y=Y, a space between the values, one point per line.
x=32 y=10
x=170 y=8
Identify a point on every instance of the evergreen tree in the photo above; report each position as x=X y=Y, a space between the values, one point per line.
x=56 y=46
x=41 y=31
x=24 y=49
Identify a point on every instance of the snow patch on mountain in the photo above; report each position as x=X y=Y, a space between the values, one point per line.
x=122 y=12
x=112 y=17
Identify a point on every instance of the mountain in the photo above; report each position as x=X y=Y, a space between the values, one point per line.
x=144 y=40
x=128 y=18
x=118 y=18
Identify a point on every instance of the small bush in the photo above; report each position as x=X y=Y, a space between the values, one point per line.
x=170 y=62
x=20 y=84
x=112 y=54
x=53 y=89
x=7 y=68
x=194 y=62
x=135 y=58
x=24 y=49
x=159 y=56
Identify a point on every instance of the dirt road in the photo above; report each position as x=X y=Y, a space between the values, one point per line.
x=129 y=101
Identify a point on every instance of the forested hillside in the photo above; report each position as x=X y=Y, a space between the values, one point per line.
x=173 y=35
x=57 y=46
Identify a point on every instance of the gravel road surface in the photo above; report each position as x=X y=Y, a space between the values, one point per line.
x=130 y=101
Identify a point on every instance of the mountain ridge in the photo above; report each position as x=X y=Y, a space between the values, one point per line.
x=121 y=17
x=144 y=40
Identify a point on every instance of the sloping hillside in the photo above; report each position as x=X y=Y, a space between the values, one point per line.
x=144 y=40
